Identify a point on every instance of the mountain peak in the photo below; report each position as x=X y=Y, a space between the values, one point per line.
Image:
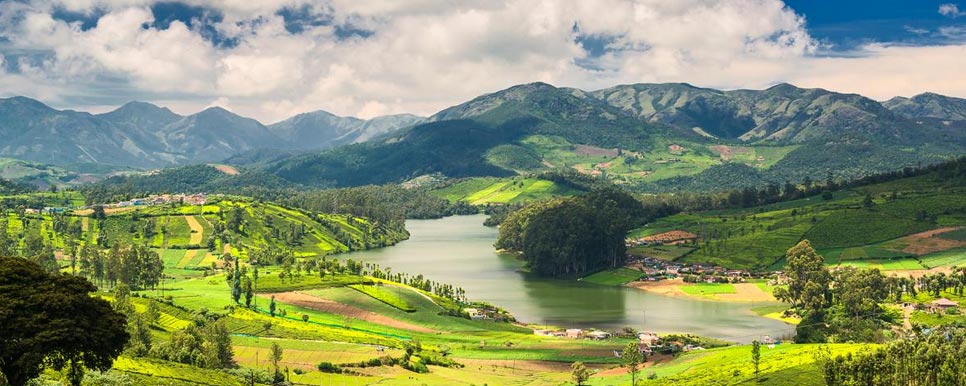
x=27 y=102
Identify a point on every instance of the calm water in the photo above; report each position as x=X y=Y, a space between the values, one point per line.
x=459 y=250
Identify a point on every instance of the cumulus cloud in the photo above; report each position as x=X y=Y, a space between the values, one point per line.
x=382 y=57
x=951 y=10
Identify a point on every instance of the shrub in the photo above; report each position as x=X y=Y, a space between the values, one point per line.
x=329 y=367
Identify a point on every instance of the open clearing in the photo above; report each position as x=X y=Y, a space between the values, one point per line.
x=740 y=292
x=670 y=237
x=197 y=231
x=308 y=301
x=227 y=169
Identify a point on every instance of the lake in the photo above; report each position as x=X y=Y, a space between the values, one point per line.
x=459 y=250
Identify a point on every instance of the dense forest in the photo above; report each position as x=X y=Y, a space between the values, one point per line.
x=572 y=236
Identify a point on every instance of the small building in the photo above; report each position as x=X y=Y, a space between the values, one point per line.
x=475 y=314
x=574 y=333
x=598 y=335
x=648 y=338
x=942 y=305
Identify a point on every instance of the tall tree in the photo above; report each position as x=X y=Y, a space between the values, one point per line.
x=631 y=358
x=580 y=373
x=57 y=323
x=756 y=357
x=808 y=279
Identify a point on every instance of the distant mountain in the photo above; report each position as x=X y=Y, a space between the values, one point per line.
x=647 y=135
x=320 y=129
x=929 y=105
x=143 y=135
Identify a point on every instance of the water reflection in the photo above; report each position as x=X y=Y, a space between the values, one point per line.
x=459 y=251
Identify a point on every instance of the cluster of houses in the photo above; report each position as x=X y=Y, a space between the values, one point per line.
x=657 y=269
x=162 y=199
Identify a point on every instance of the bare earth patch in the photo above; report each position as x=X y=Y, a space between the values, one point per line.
x=926 y=242
x=227 y=169
x=196 y=230
x=669 y=237
x=316 y=303
x=747 y=292
x=664 y=287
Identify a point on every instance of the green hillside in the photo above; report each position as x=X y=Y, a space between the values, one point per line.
x=488 y=190
x=842 y=226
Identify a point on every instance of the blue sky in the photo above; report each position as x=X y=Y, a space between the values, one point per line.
x=851 y=23
x=270 y=59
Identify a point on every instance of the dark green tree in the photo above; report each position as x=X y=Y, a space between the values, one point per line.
x=50 y=319
x=756 y=357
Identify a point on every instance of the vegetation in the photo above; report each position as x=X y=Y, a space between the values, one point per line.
x=572 y=236
x=384 y=295
x=51 y=319
x=933 y=358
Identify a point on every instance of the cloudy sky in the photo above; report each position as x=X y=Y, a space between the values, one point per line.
x=270 y=59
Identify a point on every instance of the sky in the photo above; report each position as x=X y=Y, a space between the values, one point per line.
x=271 y=59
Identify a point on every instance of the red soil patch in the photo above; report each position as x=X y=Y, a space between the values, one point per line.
x=675 y=149
x=328 y=306
x=926 y=242
x=670 y=237
x=595 y=151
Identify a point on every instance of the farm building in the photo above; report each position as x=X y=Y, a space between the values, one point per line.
x=942 y=305
x=575 y=333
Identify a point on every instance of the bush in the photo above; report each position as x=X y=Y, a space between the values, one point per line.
x=329 y=367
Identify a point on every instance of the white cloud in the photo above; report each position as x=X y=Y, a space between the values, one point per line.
x=951 y=10
x=425 y=55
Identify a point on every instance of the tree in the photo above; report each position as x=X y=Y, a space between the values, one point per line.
x=57 y=323
x=249 y=291
x=271 y=307
x=580 y=373
x=808 y=279
x=276 y=356
x=631 y=358
x=867 y=201
x=756 y=356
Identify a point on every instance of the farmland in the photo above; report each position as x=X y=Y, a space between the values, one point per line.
x=909 y=221
x=486 y=190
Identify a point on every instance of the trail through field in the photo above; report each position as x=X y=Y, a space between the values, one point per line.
x=85 y=224
x=906 y=312
x=197 y=231
x=316 y=303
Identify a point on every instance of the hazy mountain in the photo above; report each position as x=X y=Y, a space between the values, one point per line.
x=143 y=135
x=30 y=130
x=929 y=105
x=320 y=129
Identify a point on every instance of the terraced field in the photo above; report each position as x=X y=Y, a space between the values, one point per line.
x=481 y=191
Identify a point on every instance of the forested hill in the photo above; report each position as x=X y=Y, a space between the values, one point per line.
x=653 y=137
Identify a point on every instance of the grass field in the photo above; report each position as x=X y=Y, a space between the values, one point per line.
x=708 y=289
x=481 y=191
x=385 y=295
x=663 y=252
x=617 y=276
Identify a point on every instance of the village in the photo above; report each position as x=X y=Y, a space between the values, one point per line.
x=152 y=200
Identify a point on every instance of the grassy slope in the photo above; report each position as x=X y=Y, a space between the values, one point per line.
x=759 y=237
x=485 y=190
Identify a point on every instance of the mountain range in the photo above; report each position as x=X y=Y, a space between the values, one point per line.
x=653 y=136
x=143 y=135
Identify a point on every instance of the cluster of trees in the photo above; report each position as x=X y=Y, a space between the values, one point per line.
x=136 y=266
x=934 y=358
x=575 y=235
x=839 y=306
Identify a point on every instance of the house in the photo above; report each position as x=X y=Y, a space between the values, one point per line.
x=598 y=335
x=574 y=333
x=475 y=314
x=942 y=305
x=648 y=338
x=644 y=349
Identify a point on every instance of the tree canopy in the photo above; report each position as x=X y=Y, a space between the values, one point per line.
x=57 y=322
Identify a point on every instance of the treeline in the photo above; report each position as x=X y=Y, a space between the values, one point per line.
x=846 y=304
x=575 y=235
x=936 y=357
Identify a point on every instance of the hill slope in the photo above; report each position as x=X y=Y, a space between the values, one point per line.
x=646 y=133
